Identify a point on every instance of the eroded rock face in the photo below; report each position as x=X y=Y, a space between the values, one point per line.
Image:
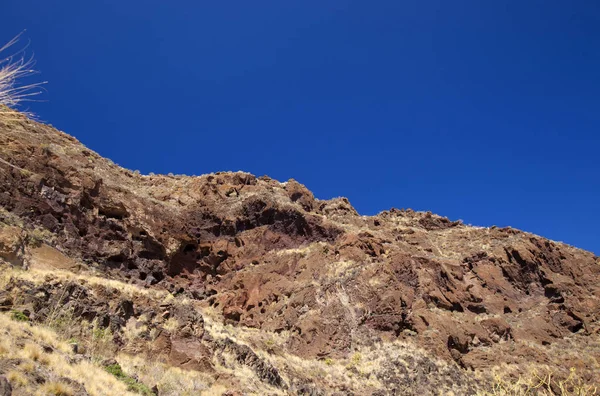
x=12 y=244
x=268 y=255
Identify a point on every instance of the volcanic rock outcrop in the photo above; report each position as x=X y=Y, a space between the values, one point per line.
x=269 y=256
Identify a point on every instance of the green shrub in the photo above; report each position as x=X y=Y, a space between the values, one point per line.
x=18 y=316
x=38 y=236
x=132 y=384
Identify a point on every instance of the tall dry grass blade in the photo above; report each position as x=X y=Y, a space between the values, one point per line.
x=13 y=69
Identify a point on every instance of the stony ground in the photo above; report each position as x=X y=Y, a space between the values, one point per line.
x=257 y=287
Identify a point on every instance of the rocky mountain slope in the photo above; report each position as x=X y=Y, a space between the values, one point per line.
x=255 y=286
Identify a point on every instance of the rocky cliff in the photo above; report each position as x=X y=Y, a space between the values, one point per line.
x=230 y=271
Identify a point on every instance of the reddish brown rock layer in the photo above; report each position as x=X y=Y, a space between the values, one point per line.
x=269 y=255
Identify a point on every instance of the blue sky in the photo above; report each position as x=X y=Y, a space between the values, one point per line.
x=486 y=111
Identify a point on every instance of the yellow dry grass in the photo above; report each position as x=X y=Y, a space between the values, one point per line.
x=16 y=378
x=13 y=68
x=26 y=343
x=169 y=380
x=56 y=388
x=541 y=381
x=39 y=276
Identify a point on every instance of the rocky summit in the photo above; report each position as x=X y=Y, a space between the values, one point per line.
x=114 y=282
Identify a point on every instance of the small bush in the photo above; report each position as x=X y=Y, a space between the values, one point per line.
x=132 y=384
x=18 y=316
x=38 y=236
x=116 y=370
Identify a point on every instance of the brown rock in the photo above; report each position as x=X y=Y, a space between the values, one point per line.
x=12 y=244
x=268 y=255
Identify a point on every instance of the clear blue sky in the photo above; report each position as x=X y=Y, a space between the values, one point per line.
x=486 y=111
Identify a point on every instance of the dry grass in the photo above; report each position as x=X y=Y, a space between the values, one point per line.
x=134 y=329
x=16 y=378
x=56 y=388
x=541 y=382
x=358 y=372
x=26 y=343
x=340 y=269
x=171 y=324
x=40 y=276
x=302 y=251
x=4 y=347
x=13 y=68
x=169 y=380
x=98 y=343
x=35 y=353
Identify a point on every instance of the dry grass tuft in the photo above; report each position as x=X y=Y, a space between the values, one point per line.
x=35 y=353
x=16 y=378
x=56 y=388
x=171 y=324
x=14 y=68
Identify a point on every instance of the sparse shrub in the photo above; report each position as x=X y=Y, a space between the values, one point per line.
x=18 y=316
x=116 y=370
x=329 y=361
x=38 y=236
x=132 y=384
